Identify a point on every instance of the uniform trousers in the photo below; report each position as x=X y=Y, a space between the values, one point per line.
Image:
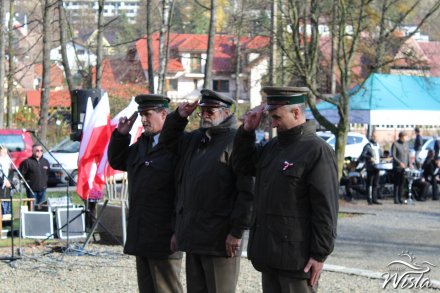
x=211 y=274
x=158 y=276
x=275 y=283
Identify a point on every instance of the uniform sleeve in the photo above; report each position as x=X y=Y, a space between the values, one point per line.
x=323 y=188
x=242 y=214
x=246 y=152
x=172 y=134
x=118 y=150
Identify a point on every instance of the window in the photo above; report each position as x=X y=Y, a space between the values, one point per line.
x=220 y=85
x=171 y=85
x=196 y=63
x=14 y=143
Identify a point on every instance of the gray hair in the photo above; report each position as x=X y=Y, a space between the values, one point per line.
x=301 y=107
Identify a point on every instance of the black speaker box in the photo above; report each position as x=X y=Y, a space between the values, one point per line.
x=79 y=106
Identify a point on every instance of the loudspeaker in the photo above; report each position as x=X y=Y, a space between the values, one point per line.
x=76 y=223
x=79 y=106
x=38 y=225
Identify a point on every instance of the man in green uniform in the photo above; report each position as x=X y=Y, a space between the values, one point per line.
x=296 y=194
x=150 y=168
x=213 y=202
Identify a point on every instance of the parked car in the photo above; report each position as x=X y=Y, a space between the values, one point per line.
x=18 y=142
x=428 y=145
x=355 y=142
x=66 y=153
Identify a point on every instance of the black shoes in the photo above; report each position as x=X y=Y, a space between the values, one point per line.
x=376 y=202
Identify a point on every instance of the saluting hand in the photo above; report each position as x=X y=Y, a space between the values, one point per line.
x=125 y=124
x=253 y=118
x=185 y=109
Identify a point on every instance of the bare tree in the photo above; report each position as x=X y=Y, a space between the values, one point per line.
x=207 y=81
x=45 y=83
x=273 y=43
x=11 y=67
x=63 y=43
x=99 y=45
x=163 y=46
x=353 y=27
x=238 y=20
x=2 y=58
x=150 y=53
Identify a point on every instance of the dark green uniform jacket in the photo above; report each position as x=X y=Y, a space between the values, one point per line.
x=151 y=193
x=212 y=201
x=296 y=198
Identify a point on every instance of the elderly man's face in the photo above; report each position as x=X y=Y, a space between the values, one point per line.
x=152 y=121
x=212 y=116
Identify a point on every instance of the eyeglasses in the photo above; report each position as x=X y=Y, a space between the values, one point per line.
x=209 y=111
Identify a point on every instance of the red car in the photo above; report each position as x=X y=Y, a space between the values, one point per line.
x=19 y=143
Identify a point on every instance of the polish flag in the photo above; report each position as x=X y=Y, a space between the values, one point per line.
x=96 y=134
x=104 y=169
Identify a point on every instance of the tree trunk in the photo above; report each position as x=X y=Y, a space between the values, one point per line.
x=166 y=6
x=63 y=43
x=2 y=64
x=150 y=48
x=99 y=45
x=273 y=44
x=11 y=67
x=45 y=83
x=207 y=82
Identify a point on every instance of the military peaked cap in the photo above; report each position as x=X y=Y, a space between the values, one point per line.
x=214 y=99
x=151 y=101
x=278 y=96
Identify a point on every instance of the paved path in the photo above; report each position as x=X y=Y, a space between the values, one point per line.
x=370 y=237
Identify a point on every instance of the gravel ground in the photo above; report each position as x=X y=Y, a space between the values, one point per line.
x=368 y=239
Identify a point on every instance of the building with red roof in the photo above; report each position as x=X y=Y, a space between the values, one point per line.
x=186 y=64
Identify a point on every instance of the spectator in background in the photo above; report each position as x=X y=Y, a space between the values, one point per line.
x=35 y=170
x=6 y=175
x=417 y=146
x=400 y=154
x=429 y=173
x=436 y=146
x=371 y=156
x=265 y=139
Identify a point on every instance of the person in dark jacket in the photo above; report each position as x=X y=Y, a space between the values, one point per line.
x=429 y=173
x=400 y=154
x=150 y=168
x=296 y=193
x=6 y=175
x=35 y=170
x=371 y=156
x=418 y=142
x=214 y=204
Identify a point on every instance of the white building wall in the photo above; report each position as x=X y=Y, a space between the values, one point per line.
x=82 y=59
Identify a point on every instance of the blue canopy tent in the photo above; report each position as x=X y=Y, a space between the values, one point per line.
x=387 y=99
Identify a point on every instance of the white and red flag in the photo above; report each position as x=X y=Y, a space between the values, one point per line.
x=96 y=134
x=104 y=169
